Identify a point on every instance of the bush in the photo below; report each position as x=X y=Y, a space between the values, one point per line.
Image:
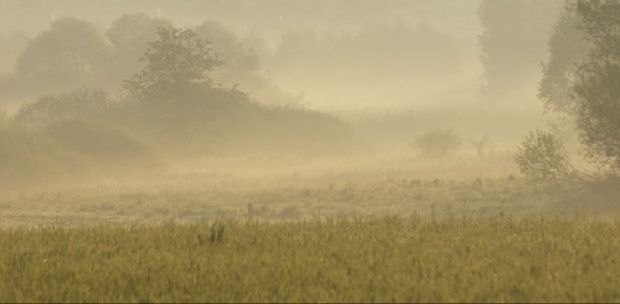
x=437 y=143
x=542 y=156
x=110 y=147
x=29 y=158
x=292 y=129
x=92 y=104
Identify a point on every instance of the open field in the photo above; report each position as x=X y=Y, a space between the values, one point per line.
x=386 y=259
x=290 y=229
x=293 y=188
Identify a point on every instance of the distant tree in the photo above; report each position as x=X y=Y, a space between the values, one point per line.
x=239 y=60
x=11 y=44
x=597 y=86
x=437 y=143
x=174 y=95
x=130 y=35
x=176 y=63
x=567 y=46
x=65 y=56
x=512 y=43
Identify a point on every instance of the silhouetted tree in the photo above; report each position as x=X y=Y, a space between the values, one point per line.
x=174 y=94
x=67 y=53
x=239 y=60
x=176 y=63
x=512 y=43
x=598 y=82
x=567 y=46
x=130 y=35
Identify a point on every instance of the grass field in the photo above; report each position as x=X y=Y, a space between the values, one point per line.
x=391 y=228
x=290 y=189
x=387 y=259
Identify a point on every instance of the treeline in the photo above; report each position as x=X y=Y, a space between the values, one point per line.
x=581 y=84
x=73 y=53
x=172 y=108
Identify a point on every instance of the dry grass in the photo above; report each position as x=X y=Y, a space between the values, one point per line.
x=387 y=259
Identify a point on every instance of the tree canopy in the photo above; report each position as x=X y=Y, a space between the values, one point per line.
x=512 y=43
x=567 y=46
x=597 y=86
x=176 y=62
x=68 y=52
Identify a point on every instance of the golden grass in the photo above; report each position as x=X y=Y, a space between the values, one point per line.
x=387 y=259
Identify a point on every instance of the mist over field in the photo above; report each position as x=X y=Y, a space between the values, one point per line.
x=330 y=136
x=97 y=91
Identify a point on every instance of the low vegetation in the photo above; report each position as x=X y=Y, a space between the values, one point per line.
x=388 y=259
x=437 y=143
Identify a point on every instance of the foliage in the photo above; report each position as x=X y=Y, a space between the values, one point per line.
x=437 y=143
x=292 y=129
x=11 y=43
x=513 y=38
x=542 y=157
x=598 y=85
x=91 y=104
x=567 y=46
x=110 y=147
x=30 y=158
x=174 y=92
x=130 y=35
x=64 y=57
x=361 y=260
x=239 y=59
x=176 y=62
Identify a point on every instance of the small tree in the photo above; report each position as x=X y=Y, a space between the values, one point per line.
x=542 y=157
x=437 y=143
x=173 y=93
x=177 y=62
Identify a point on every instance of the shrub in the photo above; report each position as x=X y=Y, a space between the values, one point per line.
x=111 y=147
x=92 y=104
x=437 y=143
x=542 y=156
x=29 y=158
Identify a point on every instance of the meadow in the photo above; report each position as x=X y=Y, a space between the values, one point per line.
x=388 y=228
x=291 y=188
x=384 y=259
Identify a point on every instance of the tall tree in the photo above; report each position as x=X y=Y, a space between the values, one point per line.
x=567 y=46
x=598 y=82
x=513 y=43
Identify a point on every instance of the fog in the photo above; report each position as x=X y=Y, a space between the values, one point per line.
x=301 y=94
x=336 y=53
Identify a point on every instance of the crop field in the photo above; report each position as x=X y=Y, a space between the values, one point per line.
x=389 y=228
